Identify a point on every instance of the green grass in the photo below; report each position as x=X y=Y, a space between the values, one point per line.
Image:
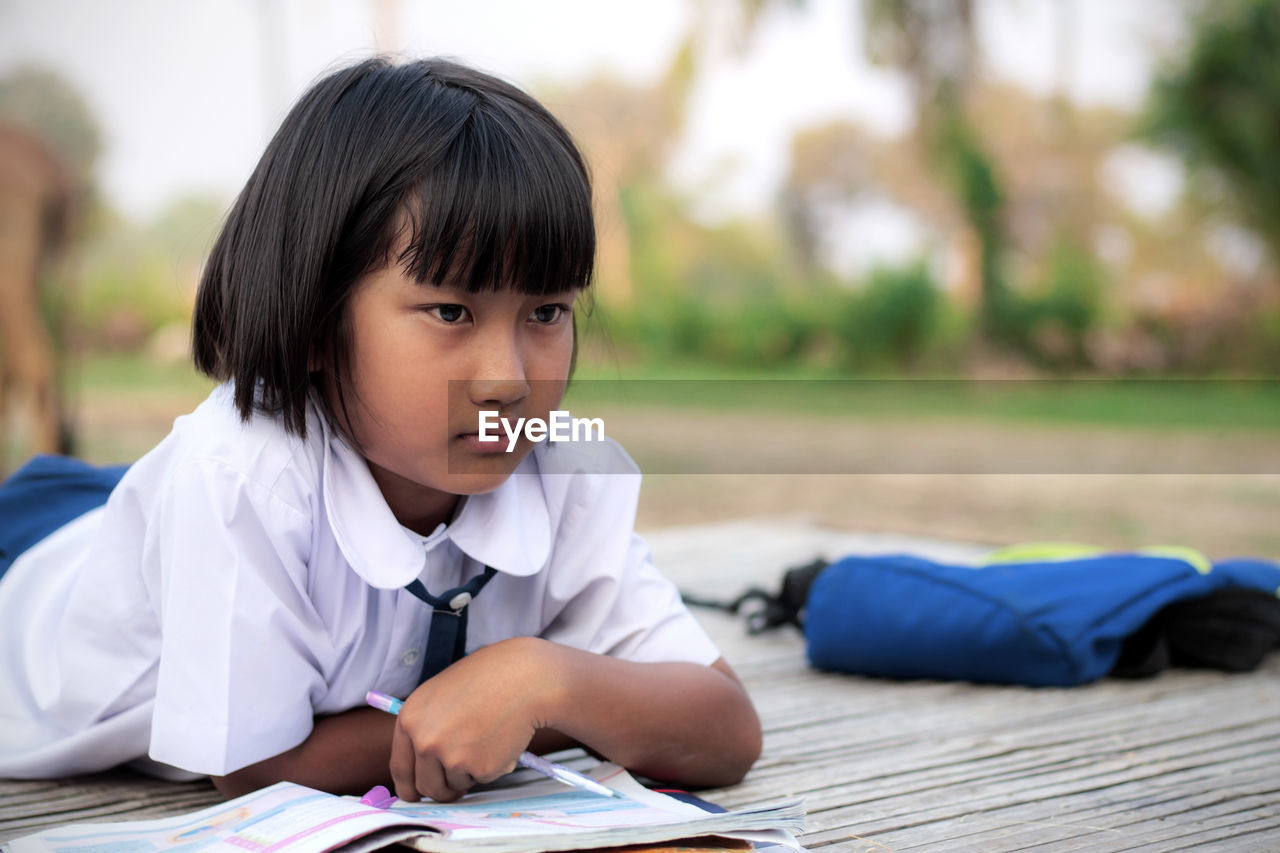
x=1173 y=403
x=135 y=374
x=1196 y=404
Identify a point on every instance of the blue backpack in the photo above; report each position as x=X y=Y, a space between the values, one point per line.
x=1036 y=615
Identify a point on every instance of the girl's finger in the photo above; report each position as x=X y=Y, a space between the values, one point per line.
x=402 y=765
x=459 y=781
x=429 y=780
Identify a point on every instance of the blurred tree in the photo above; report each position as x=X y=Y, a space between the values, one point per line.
x=35 y=196
x=1219 y=108
x=1055 y=204
x=1052 y=155
x=1055 y=182
x=49 y=144
x=935 y=45
x=892 y=320
x=628 y=132
x=1022 y=197
x=831 y=165
x=45 y=104
x=184 y=231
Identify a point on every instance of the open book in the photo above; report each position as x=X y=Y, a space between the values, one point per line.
x=537 y=816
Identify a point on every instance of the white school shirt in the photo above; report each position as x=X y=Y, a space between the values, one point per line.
x=240 y=581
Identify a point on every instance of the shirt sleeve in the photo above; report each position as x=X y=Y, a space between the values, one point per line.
x=242 y=649
x=611 y=598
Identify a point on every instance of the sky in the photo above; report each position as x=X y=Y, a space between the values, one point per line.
x=189 y=91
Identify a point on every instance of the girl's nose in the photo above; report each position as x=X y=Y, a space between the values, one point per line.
x=499 y=392
x=499 y=377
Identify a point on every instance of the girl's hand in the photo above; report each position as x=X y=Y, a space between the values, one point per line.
x=470 y=723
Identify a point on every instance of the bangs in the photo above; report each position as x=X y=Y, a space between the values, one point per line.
x=506 y=206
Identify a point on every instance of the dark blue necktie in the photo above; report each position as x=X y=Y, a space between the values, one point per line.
x=447 y=640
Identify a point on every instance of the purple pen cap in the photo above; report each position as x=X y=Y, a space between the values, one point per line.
x=378 y=797
x=383 y=702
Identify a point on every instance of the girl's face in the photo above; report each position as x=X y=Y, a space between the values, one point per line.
x=425 y=361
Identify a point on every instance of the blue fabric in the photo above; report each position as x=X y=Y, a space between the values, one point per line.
x=447 y=637
x=1053 y=622
x=45 y=494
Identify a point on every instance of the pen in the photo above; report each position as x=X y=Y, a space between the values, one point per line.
x=533 y=762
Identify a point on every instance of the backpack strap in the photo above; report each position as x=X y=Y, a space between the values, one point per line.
x=770 y=610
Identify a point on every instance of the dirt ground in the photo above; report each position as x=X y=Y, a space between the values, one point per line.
x=1221 y=515
x=983 y=483
x=988 y=483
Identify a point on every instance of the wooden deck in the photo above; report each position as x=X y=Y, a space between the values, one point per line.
x=1187 y=760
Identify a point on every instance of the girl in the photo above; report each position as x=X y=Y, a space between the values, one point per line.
x=406 y=255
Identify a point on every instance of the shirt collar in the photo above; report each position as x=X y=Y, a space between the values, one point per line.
x=508 y=528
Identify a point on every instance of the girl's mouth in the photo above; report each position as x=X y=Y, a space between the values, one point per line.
x=494 y=444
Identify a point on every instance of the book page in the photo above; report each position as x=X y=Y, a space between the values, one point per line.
x=547 y=815
x=278 y=819
x=541 y=815
x=549 y=807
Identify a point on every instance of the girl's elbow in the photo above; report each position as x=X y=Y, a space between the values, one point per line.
x=737 y=752
x=748 y=744
x=744 y=739
x=236 y=784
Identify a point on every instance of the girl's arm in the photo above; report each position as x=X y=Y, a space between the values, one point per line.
x=685 y=723
x=681 y=722
x=345 y=753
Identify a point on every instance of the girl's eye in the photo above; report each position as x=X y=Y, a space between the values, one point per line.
x=450 y=314
x=548 y=315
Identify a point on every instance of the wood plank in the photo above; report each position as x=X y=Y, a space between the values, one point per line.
x=27 y=807
x=925 y=814
x=1106 y=819
x=930 y=740
x=1178 y=819
x=1188 y=759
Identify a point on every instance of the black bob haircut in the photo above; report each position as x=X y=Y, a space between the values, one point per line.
x=488 y=185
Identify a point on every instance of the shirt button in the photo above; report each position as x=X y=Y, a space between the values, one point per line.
x=460 y=601
x=409 y=658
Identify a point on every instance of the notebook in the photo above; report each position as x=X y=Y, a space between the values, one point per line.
x=540 y=815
